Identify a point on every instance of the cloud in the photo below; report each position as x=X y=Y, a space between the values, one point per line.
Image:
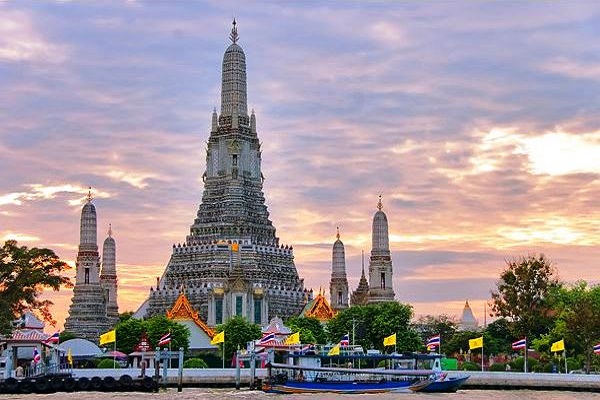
x=21 y=41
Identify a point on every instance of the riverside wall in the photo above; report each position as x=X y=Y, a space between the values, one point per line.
x=217 y=377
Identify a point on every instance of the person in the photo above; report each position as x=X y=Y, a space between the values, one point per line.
x=19 y=371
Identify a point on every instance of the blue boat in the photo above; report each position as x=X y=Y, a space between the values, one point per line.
x=443 y=384
x=288 y=379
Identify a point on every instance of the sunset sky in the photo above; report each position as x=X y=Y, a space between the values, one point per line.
x=479 y=122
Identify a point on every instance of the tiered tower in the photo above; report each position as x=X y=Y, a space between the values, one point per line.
x=108 y=278
x=87 y=314
x=360 y=296
x=231 y=263
x=338 y=286
x=467 y=320
x=380 y=266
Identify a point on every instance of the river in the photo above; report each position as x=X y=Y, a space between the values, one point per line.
x=196 y=394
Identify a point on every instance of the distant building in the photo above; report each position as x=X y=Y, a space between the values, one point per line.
x=467 y=320
x=93 y=298
x=338 y=286
x=380 y=265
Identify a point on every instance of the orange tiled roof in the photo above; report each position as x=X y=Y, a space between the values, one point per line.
x=182 y=310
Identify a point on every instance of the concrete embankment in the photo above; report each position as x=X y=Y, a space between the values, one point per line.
x=217 y=377
x=531 y=381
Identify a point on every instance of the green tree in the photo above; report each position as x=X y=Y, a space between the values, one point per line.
x=160 y=325
x=124 y=316
x=578 y=320
x=311 y=329
x=238 y=332
x=431 y=325
x=129 y=333
x=66 y=335
x=523 y=295
x=373 y=322
x=24 y=274
x=501 y=336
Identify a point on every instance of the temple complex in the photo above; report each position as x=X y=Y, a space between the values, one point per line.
x=380 y=265
x=338 y=286
x=231 y=263
x=88 y=312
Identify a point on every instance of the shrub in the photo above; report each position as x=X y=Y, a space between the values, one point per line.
x=498 y=367
x=469 y=366
x=519 y=363
x=108 y=363
x=194 y=363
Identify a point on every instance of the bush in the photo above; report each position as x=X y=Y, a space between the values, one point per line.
x=194 y=363
x=498 y=367
x=519 y=363
x=470 y=366
x=108 y=363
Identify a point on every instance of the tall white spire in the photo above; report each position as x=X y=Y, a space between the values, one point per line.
x=380 y=266
x=108 y=277
x=88 y=228
x=233 y=82
x=338 y=286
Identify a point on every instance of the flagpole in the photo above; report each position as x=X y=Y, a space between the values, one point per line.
x=482 y=356
x=566 y=366
x=115 y=352
x=525 y=356
x=224 y=355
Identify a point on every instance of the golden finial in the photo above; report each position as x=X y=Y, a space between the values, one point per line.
x=89 y=195
x=338 y=233
x=109 y=230
x=379 y=204
x=233 y=36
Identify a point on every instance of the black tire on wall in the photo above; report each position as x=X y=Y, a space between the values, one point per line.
x=69 y=384
x=25 y=386
x=57 y=384
x=147 y=384
x=41 y=385
x=109 y=383
x=83 y=383
x=96 y=383
x=11 y=385
x=126 y=382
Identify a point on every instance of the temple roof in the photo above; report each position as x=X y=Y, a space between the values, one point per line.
x=319 y=308
x=467 y=319
x=182 y=310
x=276 y=326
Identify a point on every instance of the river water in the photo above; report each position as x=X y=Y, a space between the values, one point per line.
x=196 y=394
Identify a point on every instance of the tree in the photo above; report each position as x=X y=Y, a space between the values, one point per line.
x=311 y=330
x=522 y=295
x=373 y=322
x=501 y=336
x=130 y=331
x=124 y=316
x=238 y=332
x=24 y=274
x=160 y=325
x=578 y=320
x=431 y=325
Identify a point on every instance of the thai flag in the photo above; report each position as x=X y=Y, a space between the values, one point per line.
x=165 y=339
x=597 y=349
x=36 y=355
x=307 y=348
x=434 y=341
x=267 y=338
x=53 y=339
x=345 y=340
x=519 y=344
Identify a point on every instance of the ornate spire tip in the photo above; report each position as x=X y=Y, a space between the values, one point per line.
x=338 y=233
x=379 y=204
x=89 y=195
x=109 y=230
x=233 y=36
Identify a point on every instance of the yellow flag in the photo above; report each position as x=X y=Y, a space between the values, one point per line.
x=294 y=338
x=108 y=337
x=335 y=350
x=70 y=357
x=558 y=346
x=218 y=338
x=390 y=340
x=476 y=343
